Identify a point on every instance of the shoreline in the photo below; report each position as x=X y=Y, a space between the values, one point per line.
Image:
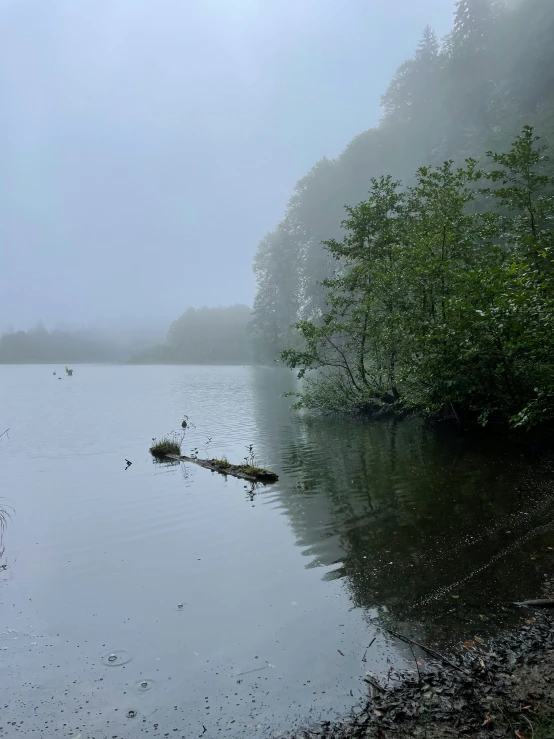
x=483 y=689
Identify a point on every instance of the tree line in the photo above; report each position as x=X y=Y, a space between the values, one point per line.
x=200 y=336
x=39 y=345
x=456 y=98
x=396 y=289
x=437 y=303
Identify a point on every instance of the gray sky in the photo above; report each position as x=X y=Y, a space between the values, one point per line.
x=147 y=145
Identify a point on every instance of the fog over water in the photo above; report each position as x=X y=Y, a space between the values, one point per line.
x=147 y=147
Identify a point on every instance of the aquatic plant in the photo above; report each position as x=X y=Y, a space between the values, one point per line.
x=223 y=462
x=250 y=459
x=170 y=444
x=249 y=469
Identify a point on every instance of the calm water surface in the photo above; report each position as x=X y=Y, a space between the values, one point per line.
x=282 y=589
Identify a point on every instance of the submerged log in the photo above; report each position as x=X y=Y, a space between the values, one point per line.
x=539 y=603
x=243 y=471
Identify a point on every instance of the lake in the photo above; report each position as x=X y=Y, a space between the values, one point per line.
x=170 y=601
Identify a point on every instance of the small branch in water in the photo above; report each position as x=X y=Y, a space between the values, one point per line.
x=4 y=432
x=368 y=647
x=430 y=651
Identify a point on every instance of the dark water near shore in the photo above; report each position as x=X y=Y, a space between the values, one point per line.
x=389 y=523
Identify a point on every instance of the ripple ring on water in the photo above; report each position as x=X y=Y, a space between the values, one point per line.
x=143 y=686
x=116 y=658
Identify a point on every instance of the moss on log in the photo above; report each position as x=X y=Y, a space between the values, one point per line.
x=223 y=467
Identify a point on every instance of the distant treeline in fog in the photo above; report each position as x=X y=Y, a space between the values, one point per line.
x=200 y=336
x=205 y=336
x=39 y=345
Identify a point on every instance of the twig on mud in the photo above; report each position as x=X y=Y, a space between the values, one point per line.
x=430 y=651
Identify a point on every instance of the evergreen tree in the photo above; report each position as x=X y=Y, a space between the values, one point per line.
x=412 y=91
x=471 y=71
x=428 y=48
x=276 y=304
x=473 y=25
x=529 y=65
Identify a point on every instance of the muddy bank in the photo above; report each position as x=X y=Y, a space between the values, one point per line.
x=484 y=690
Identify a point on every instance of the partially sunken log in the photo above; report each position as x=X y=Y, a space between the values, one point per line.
x=539 y=603
x=244 y=471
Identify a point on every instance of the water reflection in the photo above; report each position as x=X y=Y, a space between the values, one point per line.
x=433 y=530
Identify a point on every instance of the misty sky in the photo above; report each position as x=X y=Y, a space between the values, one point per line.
x=147 y=145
